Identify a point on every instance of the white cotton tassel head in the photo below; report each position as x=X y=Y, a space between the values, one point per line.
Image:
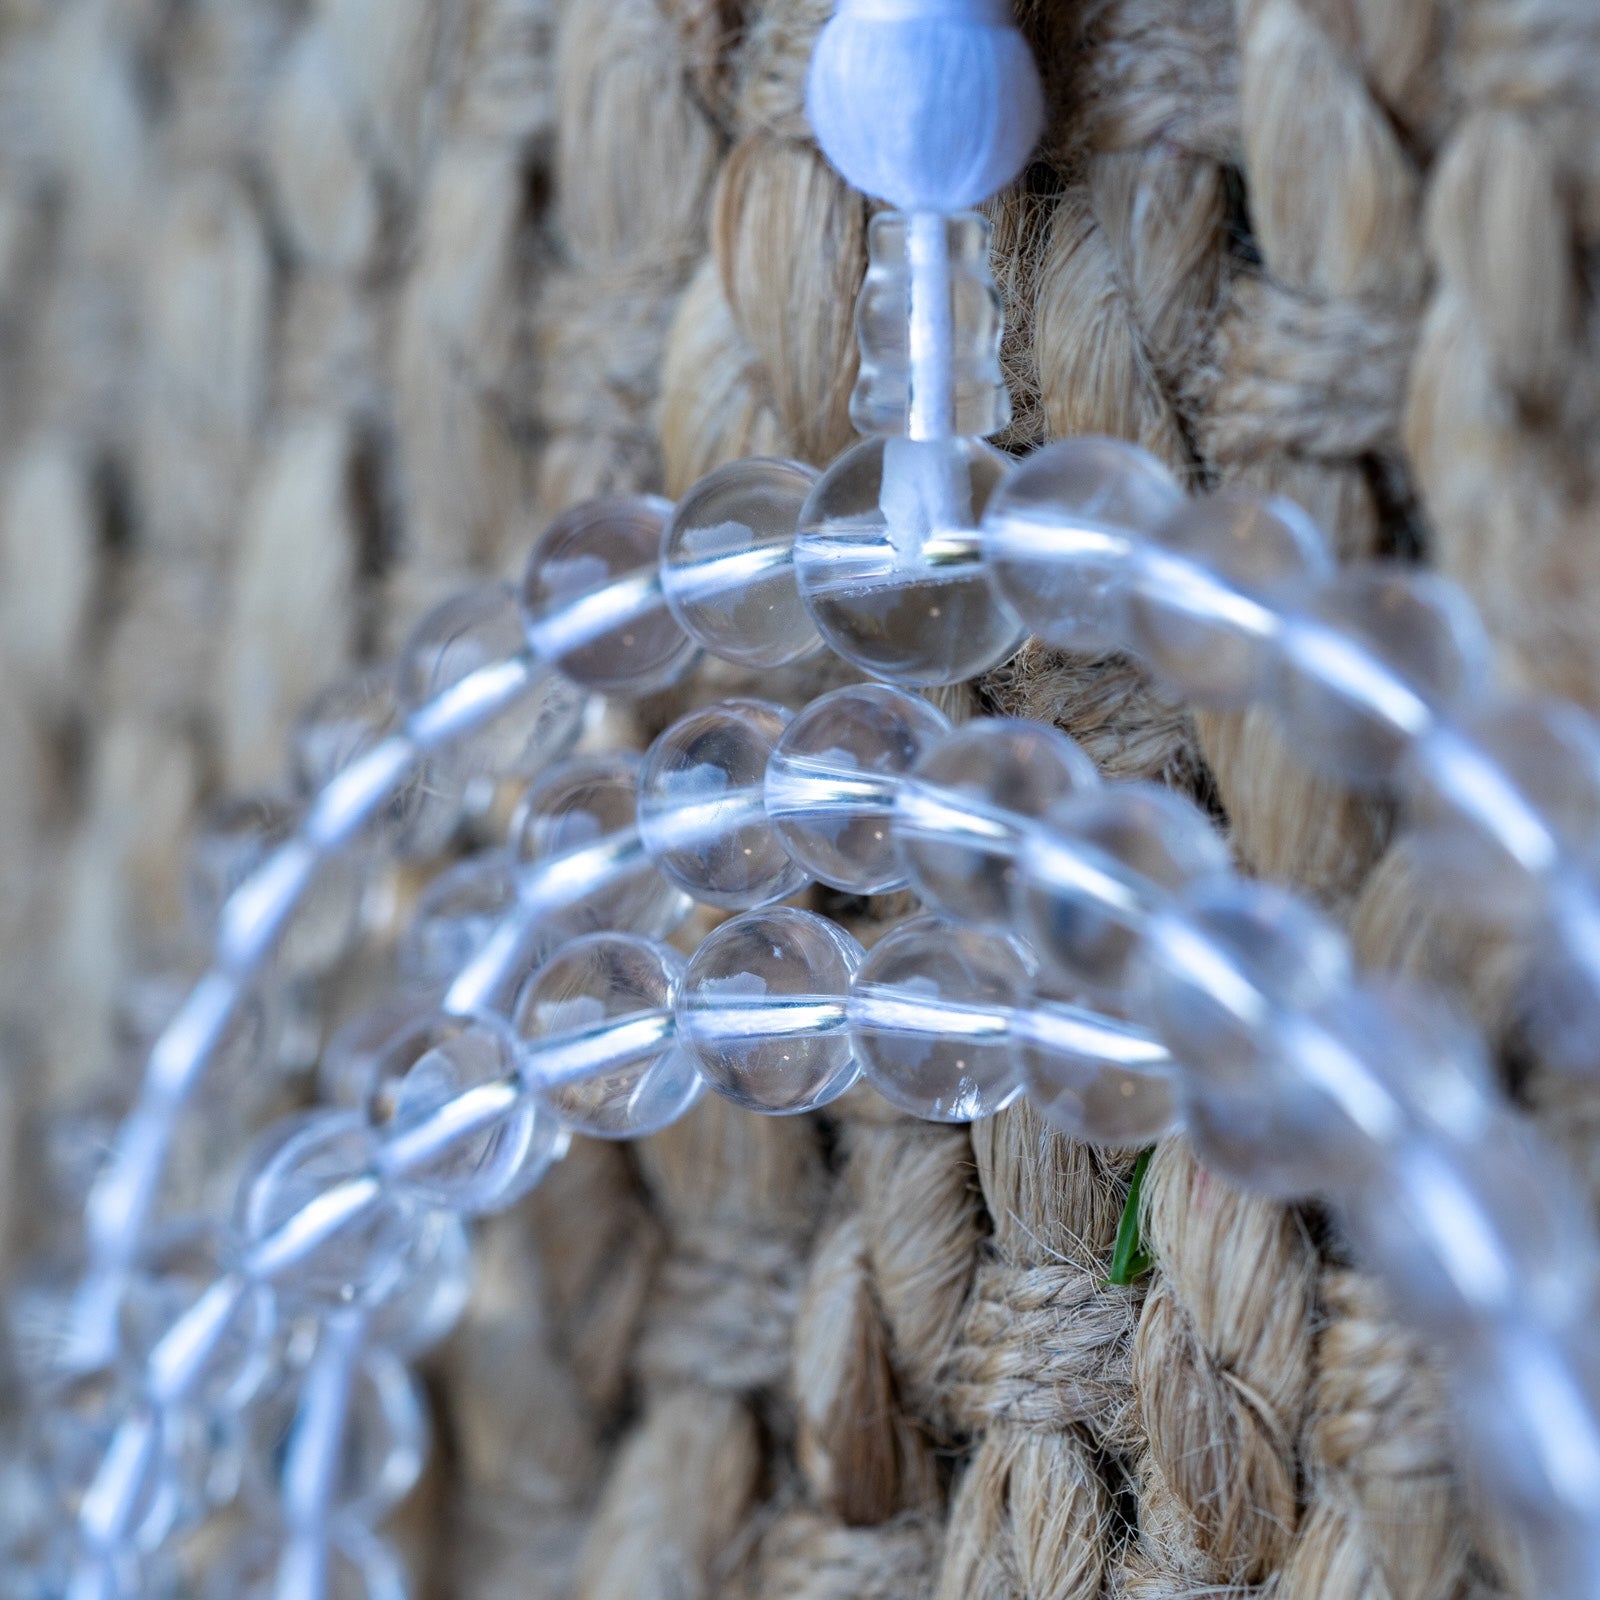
x=931 y=105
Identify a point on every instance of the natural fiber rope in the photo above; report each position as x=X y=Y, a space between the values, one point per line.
x=411 y=276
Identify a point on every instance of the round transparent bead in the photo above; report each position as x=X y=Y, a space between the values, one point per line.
x=888 y=560
x=348 y=1072
x=1216 y=966
x=1530 y=1402
x=832 y=779
x=360 y=1566
x=382 y=1449
x=960 y=817
x=1496 y=804
x=701 y=810
x=344 y=723
x=236 y=837
x=930 y=1014
x=73 y=1429
x=598 y=1037
x=436 y=1285
x=303 y=1159
x=1472 y=1233
x=763 y=1010
x=1344 y=1088
x=1199 y=607
x=179 y=1266
x=578 y=806
x=511 y=1143
x=1380 y=650
x=1093 y=1076
x=454 y=919
x=1092 y=873
x=727 y=568
x=462 y=635
x=1060 y=534
x=592 y=602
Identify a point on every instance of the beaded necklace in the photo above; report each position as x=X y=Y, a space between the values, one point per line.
x=1082 y=943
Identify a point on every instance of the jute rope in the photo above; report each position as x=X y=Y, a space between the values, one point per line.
x=306 y=310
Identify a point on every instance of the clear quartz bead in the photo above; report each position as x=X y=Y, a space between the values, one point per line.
x=592 y=602
x=1496 y=804
x=1200 y=600
x=960 y=816
x=454 y=919
x=832 y=779
x=348 y=720
x=348 y=1075
x=1060 y=534
x=930 y=1015
x=381 y=1452
x=882 y=402
x=701 y=811
x=436 y=1286
x=888 y=560
x=763 y=1010
x=470 y=631
x=465 y=1132
x=1289 y=1079
x=1090 y=875
x=179 y=1269
x=727 y=563
x=1473 y=1232
x=1380 y=651
x=236 y=837
x=1093 y=1076
x=313 y=1216
x=578 y=806
x=597 y=1028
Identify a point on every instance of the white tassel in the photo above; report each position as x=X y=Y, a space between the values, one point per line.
x=931 y=105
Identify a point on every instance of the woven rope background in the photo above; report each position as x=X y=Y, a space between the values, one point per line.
x=310 y=308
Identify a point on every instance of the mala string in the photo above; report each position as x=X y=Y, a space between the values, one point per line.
x=1267 y=1210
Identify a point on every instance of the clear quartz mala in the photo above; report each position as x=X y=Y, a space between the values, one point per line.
x=1082 y=943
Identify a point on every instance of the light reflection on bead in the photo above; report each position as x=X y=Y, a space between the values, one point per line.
x=346 y=721
x=726 y=565
x=701 y=812
x=1381 y=649
x=762 y=1009
x=592 y=602
x=1215 y=970
x=482 y=628
x=832 y=779
x=1205 y=621
x=1470 y=1233
x=236 y=836
x=959 y=817
x=576 y=805
x=597 y=1029
x=381 y=1452
x=888 y=561
x=1058 y=536
x=348 y=1072
x=929 y=1014
x=454 y=919
x=301 y=1161
x=1092 y=1076
x=1496 y=803
x=1092 y=872
x=434 y=1064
